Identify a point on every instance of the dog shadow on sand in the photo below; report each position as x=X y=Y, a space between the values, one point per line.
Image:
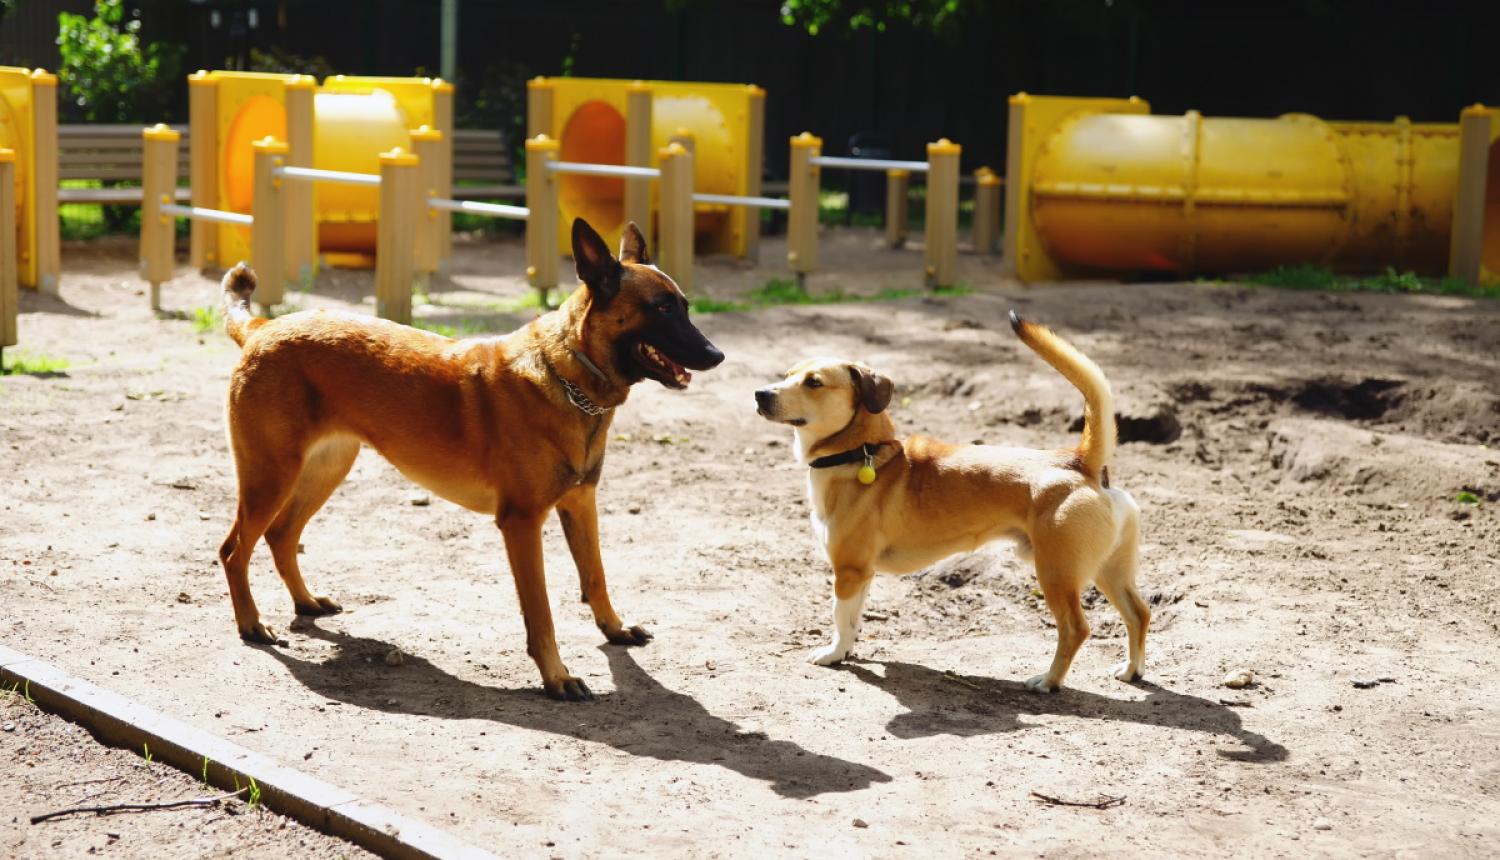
x=940 y=703
x=642 y=717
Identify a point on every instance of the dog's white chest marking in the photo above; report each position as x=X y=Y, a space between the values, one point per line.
x=817 y=507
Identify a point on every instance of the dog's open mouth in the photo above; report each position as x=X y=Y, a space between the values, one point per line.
x=661 y=368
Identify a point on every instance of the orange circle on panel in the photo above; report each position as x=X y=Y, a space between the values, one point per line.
x=595 y=134
x=261 y=116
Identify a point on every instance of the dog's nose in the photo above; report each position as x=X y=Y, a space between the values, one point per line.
x=714 y=357
x=764 y=397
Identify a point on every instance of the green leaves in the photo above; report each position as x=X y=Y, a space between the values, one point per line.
x=110 y=76
x=817 y=16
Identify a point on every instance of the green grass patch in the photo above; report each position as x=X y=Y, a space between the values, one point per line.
x=207 y=319
x=1320 y=278
x=465 y=327
x=33 y=364
x=784 y=291
x=1467 y=498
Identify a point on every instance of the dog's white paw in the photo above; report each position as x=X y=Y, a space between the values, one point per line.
x=1041 y=684
x=827 y=655
x=1123 y=671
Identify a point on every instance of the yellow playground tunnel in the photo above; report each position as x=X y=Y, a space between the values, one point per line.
x=1102 y=187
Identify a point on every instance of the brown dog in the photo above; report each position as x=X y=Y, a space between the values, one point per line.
x=880 y=504
x=509 y=426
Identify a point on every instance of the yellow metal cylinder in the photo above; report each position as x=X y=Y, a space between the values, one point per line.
x=268 y=234
x=9 y=300
x=158 y=182
x=803 y=180
x=203 y=148
x=541 y=225
x=395 y=257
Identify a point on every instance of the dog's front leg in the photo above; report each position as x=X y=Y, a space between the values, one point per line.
x=851 y=585
x=523 y=545
x=580 y=521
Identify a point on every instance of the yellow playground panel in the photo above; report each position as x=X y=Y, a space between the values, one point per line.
x=28 y=127
x=722 y=124
x=344 y=125
x=1102 y=187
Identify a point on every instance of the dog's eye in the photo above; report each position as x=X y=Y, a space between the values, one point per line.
x=666 y=306
x=812 y=382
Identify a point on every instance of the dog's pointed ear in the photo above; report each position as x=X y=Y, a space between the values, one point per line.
x=874 y=390
x=633 y=246
x=597 y=267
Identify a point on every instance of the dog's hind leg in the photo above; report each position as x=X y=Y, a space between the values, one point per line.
x=266 y=481
x=1116 y=580
x=1060 y=587
x=851 y=585
x=578 y=510
x=324 y=467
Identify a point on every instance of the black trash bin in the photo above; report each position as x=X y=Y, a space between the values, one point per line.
x=867 y=187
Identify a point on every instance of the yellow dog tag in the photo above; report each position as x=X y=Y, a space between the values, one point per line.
x=867 y=473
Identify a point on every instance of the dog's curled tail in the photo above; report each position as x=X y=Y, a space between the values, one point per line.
x=1097 y=448
x=239 y=284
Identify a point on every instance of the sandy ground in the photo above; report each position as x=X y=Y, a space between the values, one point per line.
x=1304 y=525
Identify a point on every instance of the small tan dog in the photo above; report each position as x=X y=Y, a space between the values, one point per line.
x=880 y=504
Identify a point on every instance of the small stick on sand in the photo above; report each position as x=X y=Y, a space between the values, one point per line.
x=136 y=807
x=1105 y=801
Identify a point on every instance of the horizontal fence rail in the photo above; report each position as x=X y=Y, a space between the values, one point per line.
x=199 y=213
x=869 y=163
x=617 y=170
x=752 y=202
x=312 y=174
x=492 y=210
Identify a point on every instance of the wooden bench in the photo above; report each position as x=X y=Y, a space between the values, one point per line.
x=481 y=164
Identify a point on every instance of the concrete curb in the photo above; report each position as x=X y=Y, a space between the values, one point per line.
x=313 y=802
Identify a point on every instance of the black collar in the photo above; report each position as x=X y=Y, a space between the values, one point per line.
x=856 y=455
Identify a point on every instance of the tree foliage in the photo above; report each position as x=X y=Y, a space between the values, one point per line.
x=110 y=76
x=819 y=16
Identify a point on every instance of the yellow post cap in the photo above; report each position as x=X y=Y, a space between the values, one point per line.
x=442 y=86
x=1020 y=98
x=806 y=139
x=201 y=77
x=897 y=173
x=160 y=131
x=943 y=146
x=542 y=142
x=638 y=87
x=271 y=145
x=1476 y=109
x=398 y=156
x=426 y=133
x=540 y=82
x=684 y=132
x=7 y=155
x=755 y=91
x=301 y=82
x=673 y=149
x=43 y=77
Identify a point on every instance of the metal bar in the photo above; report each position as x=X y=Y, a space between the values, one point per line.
x=736 y=200
x=869 y=163
x=619 y=170
x=313 y=174
x=199 y=213
x=493 y=210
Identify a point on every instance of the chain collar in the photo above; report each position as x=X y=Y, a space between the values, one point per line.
x=581 y=400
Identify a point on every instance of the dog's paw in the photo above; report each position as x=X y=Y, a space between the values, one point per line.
x=1123 y=671
x=568 y=689
x=827 y=655
x=320 y=606
x=1042 y=684
x=260 y=634
x=634 y=635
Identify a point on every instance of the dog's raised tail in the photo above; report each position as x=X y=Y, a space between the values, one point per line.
x=1097 y=448
x=239 y=284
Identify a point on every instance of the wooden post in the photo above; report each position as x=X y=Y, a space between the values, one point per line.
x=442 y=121
x=395 y=236
x=203 y=172
x=675 y=245
x=1466 y=248
x=986 y=211
x=638 y=154
x=427 y=144
x=897 y=206
x=268 y=234
x=802 y=219
x=44 y=180
x=747 y=219
x=541 y=224
x=541 y=97
x=942 y=213
x=9 y=258
x=299 y=220
x=158 y=230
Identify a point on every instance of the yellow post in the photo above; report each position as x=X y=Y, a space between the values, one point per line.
x=1466 y=248
x=541 y=96
x=802 y=219
x=747 y=219
x=400 y=206
x=268 y=235
x=427 y=144
x=942 y=213
x=44 y=180
x=638 y=154
x=675 y=244
x=541 y=224
x=986 y=211
x=158 y=230
x=897 y=215
x=9 y=297
x=203 y=166
x=442 y=121
x=299 y=221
